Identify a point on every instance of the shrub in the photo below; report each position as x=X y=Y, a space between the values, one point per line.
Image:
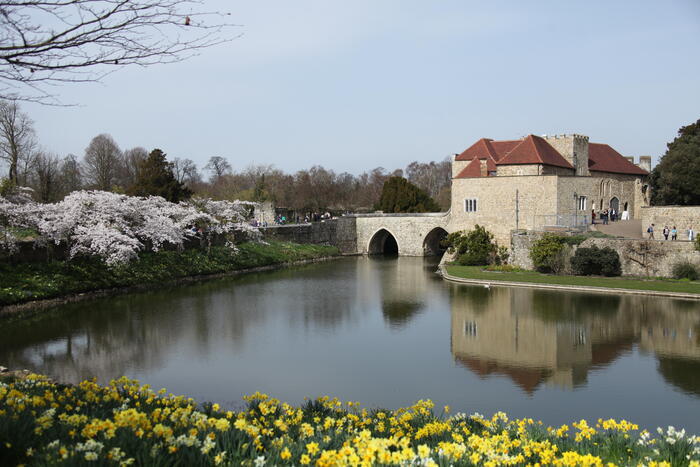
x=686 y=270
x=547 y=252
x=400 y=195
x=475 y=247
x=596 y=261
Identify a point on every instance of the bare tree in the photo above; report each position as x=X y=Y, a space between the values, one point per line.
x=130 y=164
x=47 y=177
x=17 y=139
x=218 y=167
x=185 y=172
x=71 y=176
x=49 y=42
x=102 y=162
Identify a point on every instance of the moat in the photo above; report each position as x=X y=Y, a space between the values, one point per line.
x=384 y=332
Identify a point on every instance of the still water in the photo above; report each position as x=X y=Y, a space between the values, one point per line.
x=385 y=332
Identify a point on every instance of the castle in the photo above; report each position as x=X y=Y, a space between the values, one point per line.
x=546 y=182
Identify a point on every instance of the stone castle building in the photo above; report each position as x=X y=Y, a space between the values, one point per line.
x=543 y=182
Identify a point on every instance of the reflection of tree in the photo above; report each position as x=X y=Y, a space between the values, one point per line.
x=681 y=373
x=109 y=337
x=477 y=298
x=399 y=313
x=557 y=306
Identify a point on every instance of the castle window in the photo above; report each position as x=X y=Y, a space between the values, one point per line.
x=582 y=200
x=470 y=205
x=470 y=329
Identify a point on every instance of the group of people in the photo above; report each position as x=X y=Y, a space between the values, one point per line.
x=281 y=219
x=672 y=232
x=608 y=215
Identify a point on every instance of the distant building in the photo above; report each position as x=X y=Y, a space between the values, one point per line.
x=551 y=182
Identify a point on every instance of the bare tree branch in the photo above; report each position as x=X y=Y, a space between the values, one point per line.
x=45 y=43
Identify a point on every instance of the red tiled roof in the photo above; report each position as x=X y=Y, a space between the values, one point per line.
x=481 y=149
x=534 y=150
x=527 y=379
x=473 y=169
x=504 y=147
x=603 y=158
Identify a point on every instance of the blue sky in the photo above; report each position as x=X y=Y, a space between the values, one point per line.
x=356 y=85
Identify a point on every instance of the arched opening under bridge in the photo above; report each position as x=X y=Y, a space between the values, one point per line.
x=431 y=244
x=383 y=243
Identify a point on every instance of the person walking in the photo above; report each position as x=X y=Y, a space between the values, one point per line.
x=674 y=233
x=691 y=234
x=650 y=231
x=665 y=232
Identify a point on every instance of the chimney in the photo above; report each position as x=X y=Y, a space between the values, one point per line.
x=482 y=167
x=457 y=166
x=574 y=148
x=645 y=163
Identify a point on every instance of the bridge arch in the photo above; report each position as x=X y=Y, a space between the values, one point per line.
x=383 y=242
x=431 y=243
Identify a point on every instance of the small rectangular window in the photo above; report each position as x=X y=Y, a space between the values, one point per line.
x=470 y=205
x=582 y=201
x=470 y=329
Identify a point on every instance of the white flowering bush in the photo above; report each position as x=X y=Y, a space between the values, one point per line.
x=116 y=227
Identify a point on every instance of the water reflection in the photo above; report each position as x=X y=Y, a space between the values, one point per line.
x=386 y=332
x=538 y=337
x=139 y=332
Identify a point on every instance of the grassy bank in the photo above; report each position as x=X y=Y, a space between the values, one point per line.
x=660 y=285
x=42 y=423
x=32 y=281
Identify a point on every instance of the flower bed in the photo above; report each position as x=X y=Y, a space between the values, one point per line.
x=123 y=423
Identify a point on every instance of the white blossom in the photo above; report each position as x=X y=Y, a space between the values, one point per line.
x=116 y=227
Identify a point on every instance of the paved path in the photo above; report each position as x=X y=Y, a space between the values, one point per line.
x=627 y=229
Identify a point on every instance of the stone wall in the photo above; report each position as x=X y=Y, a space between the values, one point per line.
x=638 y=257
x=520 y=249
x=680 y=216
x=518 y=169
x=409 y=230
x=458 y=166
x=654 y=258
x=574 y=148
x=340 y=232
x=264 y=212
x=496 y=200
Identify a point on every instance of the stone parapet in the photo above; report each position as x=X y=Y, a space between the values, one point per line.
x=680 y=216
x=655 y=258
x=340 y=232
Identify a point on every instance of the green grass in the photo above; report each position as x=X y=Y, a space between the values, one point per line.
x=32 y=281
x=660 y=285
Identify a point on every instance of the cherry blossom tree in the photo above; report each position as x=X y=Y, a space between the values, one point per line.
x=117 y=227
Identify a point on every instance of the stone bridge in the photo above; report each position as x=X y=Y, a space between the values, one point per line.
x=403 y=234
x=374 y=234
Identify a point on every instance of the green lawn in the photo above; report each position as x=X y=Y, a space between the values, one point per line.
x=661 y=285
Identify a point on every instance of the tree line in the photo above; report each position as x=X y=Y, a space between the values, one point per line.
x=107 y=167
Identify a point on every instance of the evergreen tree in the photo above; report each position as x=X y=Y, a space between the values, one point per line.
x=675 y=179
x=155 y=177
x=400 y=195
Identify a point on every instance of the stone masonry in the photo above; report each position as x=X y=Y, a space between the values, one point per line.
x=680 y=216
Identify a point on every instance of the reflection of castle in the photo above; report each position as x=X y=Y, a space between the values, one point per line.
x=534 y=336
